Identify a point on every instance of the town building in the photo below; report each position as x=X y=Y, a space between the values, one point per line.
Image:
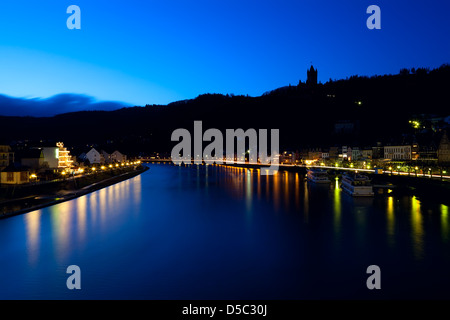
x=14 y=175
x=355 y=154
x=95 y=157
x=444 y=150
x=64 y=157
x=333 y=152
x=6 y=156
x=32 y=158
x=397 y=152
x=117 y=156
x=378 y=151
x=57 y=157
x=366 y=153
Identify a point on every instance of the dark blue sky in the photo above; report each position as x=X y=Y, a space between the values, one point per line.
x=159 y=51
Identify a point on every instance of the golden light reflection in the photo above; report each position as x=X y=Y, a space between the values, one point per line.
x=276 y=191
x=390 y=221
x=61 y=219
x=337 y=209
x=417 y=228
x=297 y=191
x=258 y=184
x=306 y=201
x=286 y=189
x=249 y=190
x=93 y=206
x=444 y=222
x=137 y=190
x=33 y=223
x=81 y=217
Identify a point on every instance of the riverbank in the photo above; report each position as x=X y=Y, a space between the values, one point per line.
x=23 y=199
x=424 y=188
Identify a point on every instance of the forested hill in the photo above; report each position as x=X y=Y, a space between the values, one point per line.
x=379 y=107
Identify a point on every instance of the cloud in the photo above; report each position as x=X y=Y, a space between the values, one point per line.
x=58 y=104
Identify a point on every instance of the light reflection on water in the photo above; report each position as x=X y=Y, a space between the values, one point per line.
x=276 y=234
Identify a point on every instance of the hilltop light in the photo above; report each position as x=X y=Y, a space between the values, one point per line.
x=415 y=124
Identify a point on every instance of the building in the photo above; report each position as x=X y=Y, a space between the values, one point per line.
x=106 y=156
x=346 y=153
x=311 y=76
x=415 y=151
x=397 y=152
x=14 y=175
x=366 y=153
x=356 y=154
x=57 y=157
x=117 y=156
x=287 y=157
x=95 y=157
x=378 y=151
x=33 y=158
x=64 y=157
x=444 y=150
x=51 y=155
x=334 y=152
x=6 y=156
x=314 y=154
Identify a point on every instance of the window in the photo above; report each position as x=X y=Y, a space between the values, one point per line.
x=23 y=176
x=10 y=176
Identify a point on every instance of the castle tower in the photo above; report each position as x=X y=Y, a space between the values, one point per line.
x=311 y=76
x=444 y=149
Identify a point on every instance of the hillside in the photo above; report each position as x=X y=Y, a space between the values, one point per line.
x=380 y=107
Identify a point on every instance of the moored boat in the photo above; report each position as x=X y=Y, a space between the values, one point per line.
x=317 y=176
x=357 y=185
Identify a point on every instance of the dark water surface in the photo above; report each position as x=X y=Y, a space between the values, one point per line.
x=211 y=232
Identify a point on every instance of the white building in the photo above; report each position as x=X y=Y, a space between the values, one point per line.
x=57 y=157
x=117 y=156
x=347 y=152
x=94 y=157
x=397 y=152
x=355 y=153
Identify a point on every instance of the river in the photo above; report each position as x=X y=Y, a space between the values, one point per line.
x=210 y=232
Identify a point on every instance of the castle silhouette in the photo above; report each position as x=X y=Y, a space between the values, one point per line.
x=311 y=76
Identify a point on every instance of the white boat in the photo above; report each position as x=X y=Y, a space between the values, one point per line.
x=357 y=185
x=317 y=176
